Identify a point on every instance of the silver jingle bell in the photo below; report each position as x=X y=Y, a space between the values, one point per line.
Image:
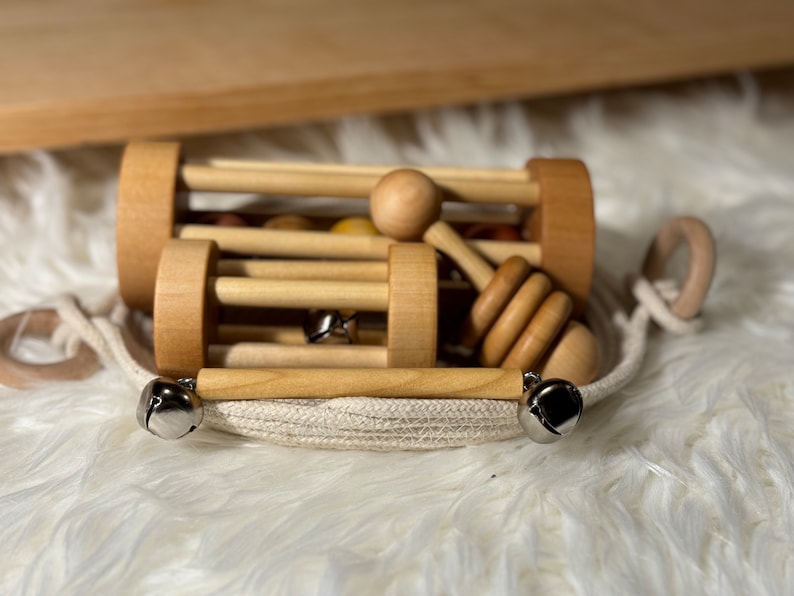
x=548 y=410
x=170 y=409
x=320 y=325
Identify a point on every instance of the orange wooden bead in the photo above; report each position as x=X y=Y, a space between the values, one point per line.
x=493 y=231
x=228 y=220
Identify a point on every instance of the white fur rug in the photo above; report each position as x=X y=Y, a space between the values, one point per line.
x=682 y=483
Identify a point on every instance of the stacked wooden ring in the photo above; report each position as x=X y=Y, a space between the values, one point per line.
x=520 y=320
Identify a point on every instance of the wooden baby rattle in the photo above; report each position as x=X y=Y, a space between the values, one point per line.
x=189 y=292
x=151 y=210
x=528 y=316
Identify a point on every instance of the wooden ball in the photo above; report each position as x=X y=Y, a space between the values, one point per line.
x=404 y=203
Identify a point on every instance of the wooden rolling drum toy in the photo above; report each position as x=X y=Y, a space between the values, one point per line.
x=152 y=177
x=189 y=292
x=519 y=317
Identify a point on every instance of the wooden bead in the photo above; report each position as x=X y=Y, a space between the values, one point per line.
x=492 y=301
x=564 y=225
x=355 y=225
x=183 y=319
x=289 y=222
x=404 y=203
x=493 y=231
x=514 y=319
x=575 y=356
x=226 y=220
x=412 y=320
x=536 y=338
x=145 y=215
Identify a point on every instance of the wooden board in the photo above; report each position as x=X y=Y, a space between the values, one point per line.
x=87 y=71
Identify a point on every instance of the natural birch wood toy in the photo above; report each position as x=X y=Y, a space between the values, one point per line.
x=153 y=179
x=527 y=315
x=192 y=284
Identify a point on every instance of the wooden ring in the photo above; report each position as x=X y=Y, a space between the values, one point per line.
x=21 y=375
x=536 y=338
x=514 y=319
x=575 y=356
x=145 y=216
x=412 y=319
x=700 y=242
x=493 y=300
x=183 y=318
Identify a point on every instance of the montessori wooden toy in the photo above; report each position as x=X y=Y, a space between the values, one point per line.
x=191 y=287
x=153 y=180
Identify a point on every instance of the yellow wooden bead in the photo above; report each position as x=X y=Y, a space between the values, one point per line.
x=361 y=226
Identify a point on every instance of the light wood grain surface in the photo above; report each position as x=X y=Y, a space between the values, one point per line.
x=87 y=71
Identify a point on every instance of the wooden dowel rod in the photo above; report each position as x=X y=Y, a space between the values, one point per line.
x=243 y=291
x=288 y=243
x=229 y=334
x=263 y=355
x=436 y=172
x=453 y=383
x=326 y=214
x=314 y=270
x=497 y=253
x=210 y=179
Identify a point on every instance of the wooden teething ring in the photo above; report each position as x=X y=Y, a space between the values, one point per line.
x=21 y=375
x=700 y=242
x=188 y=294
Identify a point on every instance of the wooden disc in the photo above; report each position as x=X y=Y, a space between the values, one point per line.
x=21 y=375
x=575 y=356
x=492 y=301
x=514 y=319
x=412 y=320
x=536 y=338
x=564 y=225
x=145 y=210
x=183 y=319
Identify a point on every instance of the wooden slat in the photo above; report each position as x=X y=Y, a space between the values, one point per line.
x=88 y=71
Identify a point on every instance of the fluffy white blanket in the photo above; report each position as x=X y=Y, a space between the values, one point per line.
x=684 y=482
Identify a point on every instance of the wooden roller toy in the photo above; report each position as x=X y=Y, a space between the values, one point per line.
x=191 y=288
x=151 y=209
x=518 y=314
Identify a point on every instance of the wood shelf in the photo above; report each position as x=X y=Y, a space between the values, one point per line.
x=94 y=72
